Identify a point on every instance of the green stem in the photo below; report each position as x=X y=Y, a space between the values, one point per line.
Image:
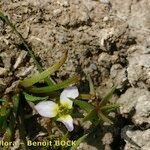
x=55 y=87
x=5 y=19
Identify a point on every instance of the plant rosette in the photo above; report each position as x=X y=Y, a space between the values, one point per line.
x=62 y=110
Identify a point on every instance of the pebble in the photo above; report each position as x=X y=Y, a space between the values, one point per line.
x=3 y=71
x=105 y=1
x=6 y=60
x=25 y=71
x=64 y=3
x=20 y=59
x=57 y=12
x=13 y=87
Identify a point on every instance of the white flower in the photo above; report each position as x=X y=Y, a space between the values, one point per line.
x=60 y=111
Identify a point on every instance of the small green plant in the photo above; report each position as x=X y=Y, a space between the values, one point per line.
x=12 y=108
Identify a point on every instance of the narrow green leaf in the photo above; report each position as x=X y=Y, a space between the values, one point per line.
x=40 y=76
x=15 y=99
x=108 y=96
x=109 y=108
x=2 y=119
x=92 y=116
x=2 y=100
x=32 y=98
x=78 y=142
x=11 y=126
x=55 y=87
x=104 y=118
x=4 y=113
x=64 y=138
x=31 y=53
x=91 y=85
x=85 y=96
x=83 y=105
x=8 y=134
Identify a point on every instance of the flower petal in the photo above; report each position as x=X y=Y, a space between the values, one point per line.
x=71 y=92
x=47 y=109
x=67 y=121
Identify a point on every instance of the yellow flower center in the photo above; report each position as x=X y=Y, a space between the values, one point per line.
x=63 y=110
